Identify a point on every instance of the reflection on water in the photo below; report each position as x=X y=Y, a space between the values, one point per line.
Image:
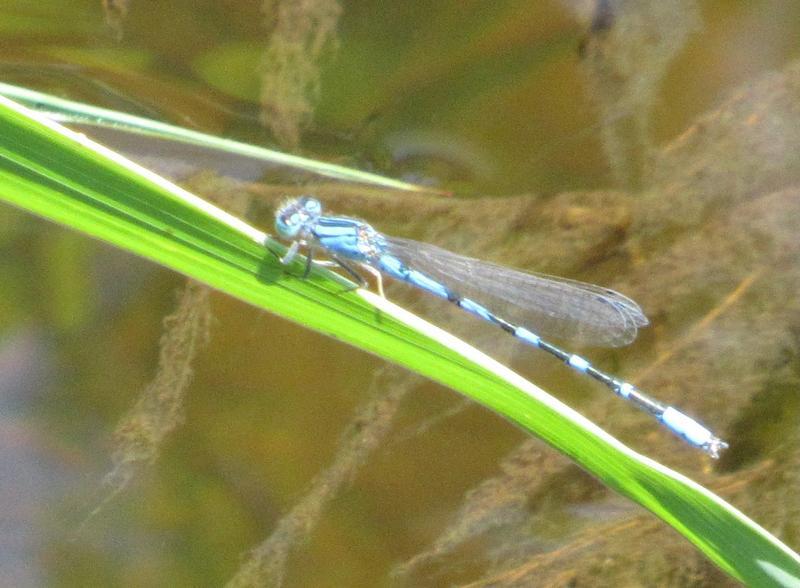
x=311 y=464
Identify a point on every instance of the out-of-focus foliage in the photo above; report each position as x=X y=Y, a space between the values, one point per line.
x=689 y=214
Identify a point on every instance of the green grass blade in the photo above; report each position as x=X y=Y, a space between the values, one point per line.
x=63 y=177
x=67 y=111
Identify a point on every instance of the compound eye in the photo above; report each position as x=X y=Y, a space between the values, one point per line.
x=288 y=225
x=312 y=206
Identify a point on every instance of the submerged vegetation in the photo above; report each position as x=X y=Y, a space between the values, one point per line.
x=700 y=229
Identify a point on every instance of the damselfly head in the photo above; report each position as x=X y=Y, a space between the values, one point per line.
x=296 y=216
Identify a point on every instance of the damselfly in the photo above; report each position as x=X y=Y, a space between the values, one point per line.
x=550 y=306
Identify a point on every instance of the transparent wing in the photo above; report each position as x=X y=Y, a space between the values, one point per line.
x=547 y=305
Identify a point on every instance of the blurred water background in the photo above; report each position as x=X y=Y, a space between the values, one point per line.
x=158 y=434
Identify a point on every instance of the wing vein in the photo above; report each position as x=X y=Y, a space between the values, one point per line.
x=549 y=305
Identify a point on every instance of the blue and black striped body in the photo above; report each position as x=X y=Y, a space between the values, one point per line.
x=351 y=240
x=357 y=241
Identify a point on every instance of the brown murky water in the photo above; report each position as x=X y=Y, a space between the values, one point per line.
x=157 y=434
